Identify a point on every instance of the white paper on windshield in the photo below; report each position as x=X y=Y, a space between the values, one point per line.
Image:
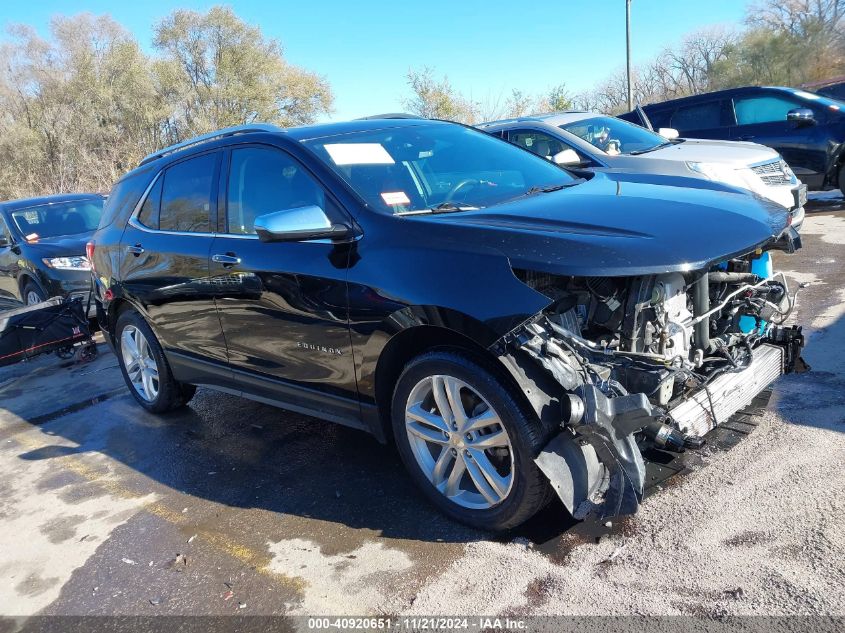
x=358 y=154
x=395 y=198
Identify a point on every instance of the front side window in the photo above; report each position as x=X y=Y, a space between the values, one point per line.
x=429 y=165
x=264 y=180
x=763 y=109
x=701 y=116
x=55 y=220
x=187 y=194
x=615 y=136
x=538 y=143
x=4 y=230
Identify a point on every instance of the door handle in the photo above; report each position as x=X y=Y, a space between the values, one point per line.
x=228 y=260
x=747 y=137
x=135 y=250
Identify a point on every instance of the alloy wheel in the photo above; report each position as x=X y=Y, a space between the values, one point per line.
x=32 y=298
x=140 y=364
x=459 y=442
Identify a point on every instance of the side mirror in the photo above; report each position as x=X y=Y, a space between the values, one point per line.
x=4 y=241
x=567 y=158
x=668 y=132
x=802 y=116
x=299 y=224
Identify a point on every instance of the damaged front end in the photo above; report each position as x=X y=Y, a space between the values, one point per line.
x=624 y=364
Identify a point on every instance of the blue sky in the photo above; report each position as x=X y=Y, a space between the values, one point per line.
x=365 y=47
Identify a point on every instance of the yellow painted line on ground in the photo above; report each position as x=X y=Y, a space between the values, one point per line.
x=218 y=540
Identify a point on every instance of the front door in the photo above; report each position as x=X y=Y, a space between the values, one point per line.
x=761 y=118
x=282 y=305
x=165 y=267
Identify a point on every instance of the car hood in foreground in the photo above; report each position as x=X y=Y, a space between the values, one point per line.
x=735 y=153
x=610 y=226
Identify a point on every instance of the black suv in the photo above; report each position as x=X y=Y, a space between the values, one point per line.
x=506 y=322
x=807 y=129
x=42 y=246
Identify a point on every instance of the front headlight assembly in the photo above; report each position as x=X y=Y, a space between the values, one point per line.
x=68 y=263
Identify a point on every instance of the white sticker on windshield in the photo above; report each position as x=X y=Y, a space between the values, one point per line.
x=394 y=198
x=358 y=154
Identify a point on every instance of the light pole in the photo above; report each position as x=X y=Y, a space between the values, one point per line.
x=628 y=53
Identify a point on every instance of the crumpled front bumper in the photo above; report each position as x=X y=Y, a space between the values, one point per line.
x=595 y=464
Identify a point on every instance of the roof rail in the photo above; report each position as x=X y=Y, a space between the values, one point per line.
x=229 y=131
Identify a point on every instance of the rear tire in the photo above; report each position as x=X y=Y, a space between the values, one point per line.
x=841 y=181
x=145 y=368
x=475 y=461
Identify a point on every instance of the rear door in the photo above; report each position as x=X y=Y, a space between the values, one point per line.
x=761 y=118
x=8 y=263
x=283 y=305
x=165 y=266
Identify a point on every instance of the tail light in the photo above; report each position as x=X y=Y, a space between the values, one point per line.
x=89 y=253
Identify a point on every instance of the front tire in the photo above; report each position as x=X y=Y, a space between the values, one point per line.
x=145 y=368
x=32 y=294
x=841 y=181
x=469 y=442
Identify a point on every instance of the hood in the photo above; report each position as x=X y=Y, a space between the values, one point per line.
x=735 y=153
x=610 y=226
x=62 y=246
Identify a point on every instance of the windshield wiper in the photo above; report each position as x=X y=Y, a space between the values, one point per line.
x=533 y=191
x=443 y=207
x=451 y=207
x=637 y=152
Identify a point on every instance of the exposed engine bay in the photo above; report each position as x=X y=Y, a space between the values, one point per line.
x=648 y=361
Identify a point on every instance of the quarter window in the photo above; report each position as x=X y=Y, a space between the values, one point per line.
x=263 y=180
x=186 y=195
x=763 y=109
x=150 y=209
x=702 y=116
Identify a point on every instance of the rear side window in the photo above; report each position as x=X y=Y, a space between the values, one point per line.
x=659 y=118
x=701 y=116
x=263 y=180
x=187 y=195
x=763 y=109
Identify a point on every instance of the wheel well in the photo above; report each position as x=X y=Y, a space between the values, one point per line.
x=116 y=308
x=408 y=344
x=24 y=279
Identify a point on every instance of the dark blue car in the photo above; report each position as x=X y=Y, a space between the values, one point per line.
x=807 y=129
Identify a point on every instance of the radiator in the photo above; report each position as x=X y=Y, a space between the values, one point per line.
x=729 y=393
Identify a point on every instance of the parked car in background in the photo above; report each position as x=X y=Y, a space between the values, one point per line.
x=807 y=129
x=42 y=245
x=833 y=87
x=504 y=321
x=599 y=142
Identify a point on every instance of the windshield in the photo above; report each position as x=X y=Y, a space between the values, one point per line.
x=829 y=102
x=615 y=136
x=422 y=167
x=54 y=220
